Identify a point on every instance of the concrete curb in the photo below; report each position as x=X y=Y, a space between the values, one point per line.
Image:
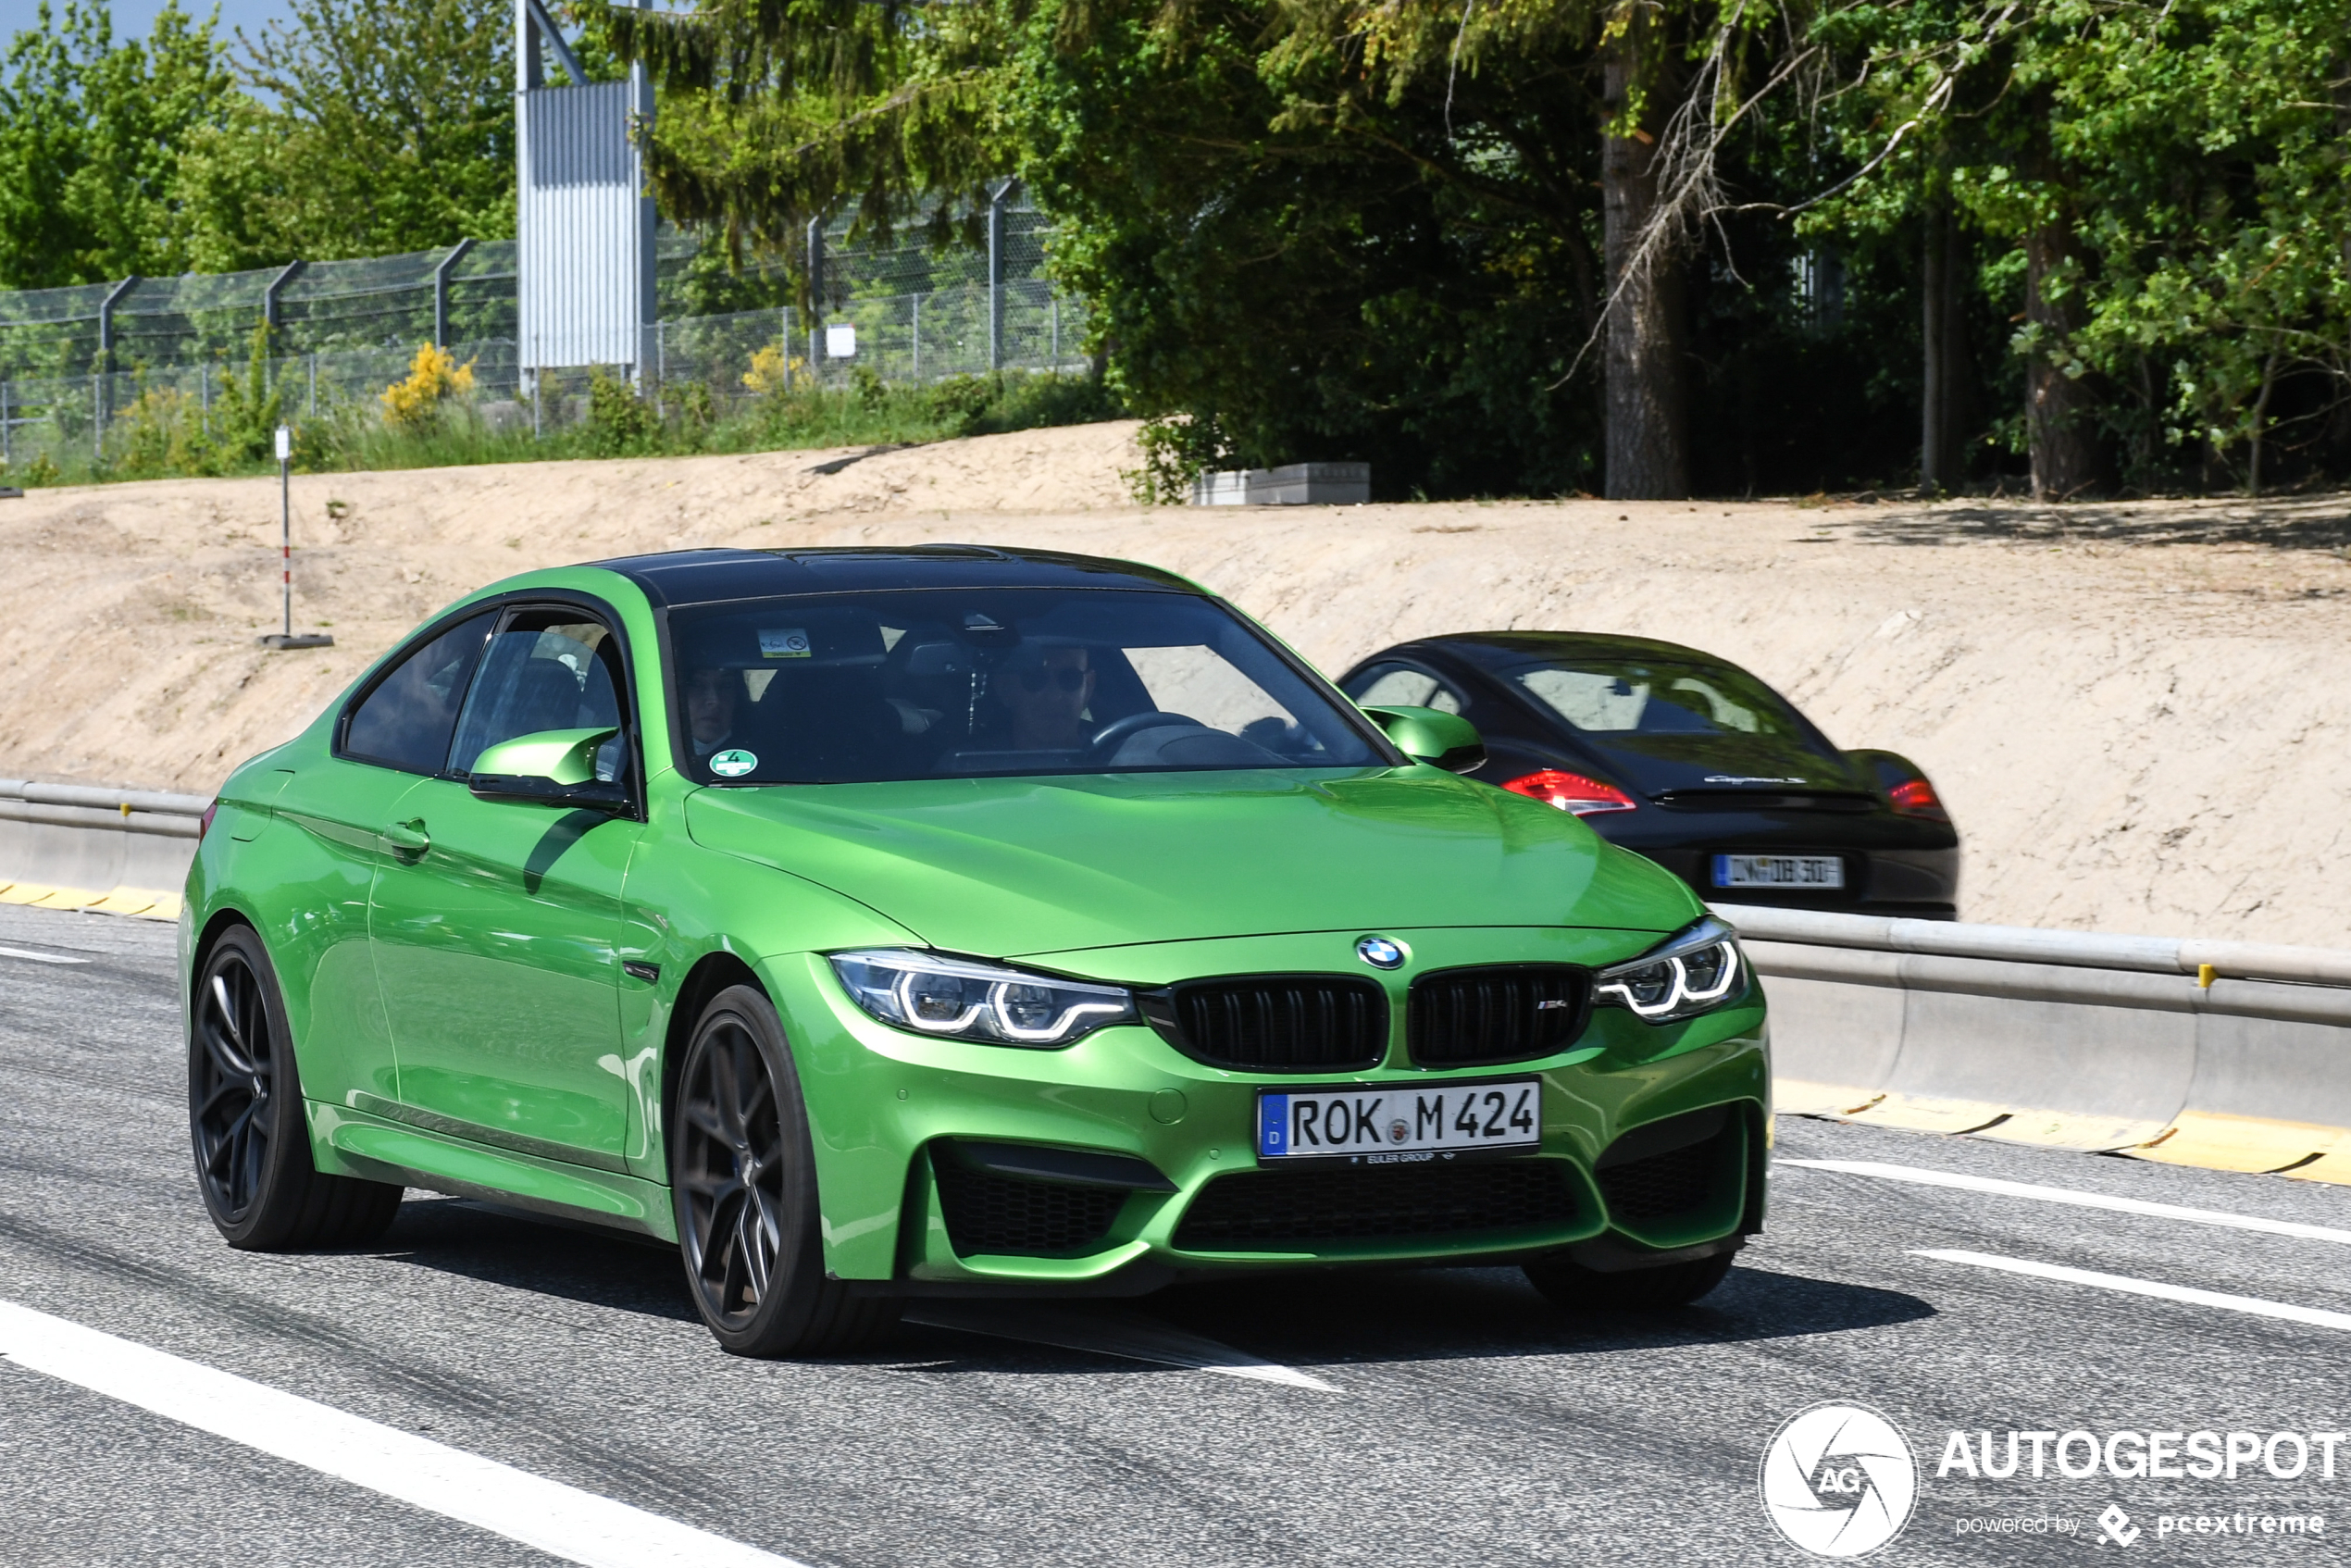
x=2234 y=1056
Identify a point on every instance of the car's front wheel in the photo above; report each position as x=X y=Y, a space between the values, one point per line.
x=1571 y=1285
x=244 y=1116
x=744 y=1179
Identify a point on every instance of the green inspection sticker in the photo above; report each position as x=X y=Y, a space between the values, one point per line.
x=733 y=764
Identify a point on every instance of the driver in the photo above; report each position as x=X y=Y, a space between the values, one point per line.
x=1045 y=693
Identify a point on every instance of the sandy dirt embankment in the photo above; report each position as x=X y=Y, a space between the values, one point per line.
x=2136 y=712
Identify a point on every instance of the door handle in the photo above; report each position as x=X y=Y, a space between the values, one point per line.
x=408 y=838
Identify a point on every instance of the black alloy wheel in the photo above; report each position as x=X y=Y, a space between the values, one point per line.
x=744 y=1179
x=245 y=1117
x=229 y=1084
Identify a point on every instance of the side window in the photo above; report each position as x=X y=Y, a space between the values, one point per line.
x=1404 y=687
x=406 y=722
x=545 y=669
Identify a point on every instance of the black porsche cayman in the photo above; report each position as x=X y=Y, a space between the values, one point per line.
x=1689 y=760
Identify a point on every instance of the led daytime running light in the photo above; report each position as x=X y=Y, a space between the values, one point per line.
x=986 y=1002
x=1692 y=973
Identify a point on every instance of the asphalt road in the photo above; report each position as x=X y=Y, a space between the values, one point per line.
x=1464 y=1421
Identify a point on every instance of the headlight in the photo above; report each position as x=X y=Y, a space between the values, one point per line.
x=1690 y=973
x=959 y=999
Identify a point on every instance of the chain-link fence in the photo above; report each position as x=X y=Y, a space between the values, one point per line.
x=75 y=362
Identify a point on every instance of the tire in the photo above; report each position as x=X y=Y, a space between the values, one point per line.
x=252 y=1141
x=1571 y=1285
x=743 y=1178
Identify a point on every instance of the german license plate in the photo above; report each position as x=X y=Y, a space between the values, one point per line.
x=1801 y=871
x=1399 y=1125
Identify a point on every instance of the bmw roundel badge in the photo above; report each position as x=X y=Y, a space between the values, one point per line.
x=1380 y=952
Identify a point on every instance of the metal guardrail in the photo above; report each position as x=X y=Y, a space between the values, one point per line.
x=2030 y=944
x=2233 y=1056
x=83 y=805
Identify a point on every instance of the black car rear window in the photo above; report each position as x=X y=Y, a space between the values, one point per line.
x=1603 y=696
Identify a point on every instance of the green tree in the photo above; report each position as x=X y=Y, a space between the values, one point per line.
x=92 y=134
x=392 y=131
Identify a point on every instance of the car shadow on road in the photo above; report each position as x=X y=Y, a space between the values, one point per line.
x=1435 y=1314
x=1312 y=1320
x=574 y=1262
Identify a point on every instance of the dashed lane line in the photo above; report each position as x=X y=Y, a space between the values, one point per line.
x=2252 y=1306
x=562 y=1521
x=1925 y=1177
x=31 y=957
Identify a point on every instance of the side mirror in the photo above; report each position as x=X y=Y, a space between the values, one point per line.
x=1442 y=739
x=551 y=767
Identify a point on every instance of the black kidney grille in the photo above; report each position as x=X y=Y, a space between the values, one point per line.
x=988 y=1211
x=1275 y=1023
x=1507 y=1013
x=1286 y=1210
x=1663 y=1184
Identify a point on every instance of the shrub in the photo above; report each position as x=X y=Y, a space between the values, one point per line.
x=434 y=378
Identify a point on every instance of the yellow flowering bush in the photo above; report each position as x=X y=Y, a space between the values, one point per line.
x=771 y=371
x=434 y=376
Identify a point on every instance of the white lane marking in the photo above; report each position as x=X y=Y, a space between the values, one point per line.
x=1925 y=1177
x=2254 y=1305
x=1109 y=1332
x=562 y=1521
x=38 y=957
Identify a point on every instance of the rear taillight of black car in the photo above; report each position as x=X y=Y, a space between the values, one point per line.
x=1569 y=792
x=1916 y=797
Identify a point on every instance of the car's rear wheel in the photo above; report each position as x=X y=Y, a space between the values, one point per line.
x=744 y=1179
x=1569 y=1284
x=244 y=1116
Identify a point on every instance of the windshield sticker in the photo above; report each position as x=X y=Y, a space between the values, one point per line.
x=789 y=642
x=733 y=764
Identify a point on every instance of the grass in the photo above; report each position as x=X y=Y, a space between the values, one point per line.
x=158 y=439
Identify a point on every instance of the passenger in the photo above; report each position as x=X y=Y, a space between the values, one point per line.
x=710 y=697
x=1045 y=690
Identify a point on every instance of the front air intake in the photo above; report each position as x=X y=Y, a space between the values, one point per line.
x=1504 y=1013
x=1274 y=1023
x=1295 y=1210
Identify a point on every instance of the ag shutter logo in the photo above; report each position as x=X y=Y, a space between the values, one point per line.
x=1838 y=1480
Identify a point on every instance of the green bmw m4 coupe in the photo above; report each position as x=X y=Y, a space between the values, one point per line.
x=947 y=921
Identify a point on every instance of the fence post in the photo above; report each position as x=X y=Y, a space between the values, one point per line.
x=996 y=275
x=203 y=395
x=816 y=299
x=1054 y=306
x=313 y=383
x=98 y=383
x=269 y=294
x=440 y=292
x=916 y=335
x=7 y=449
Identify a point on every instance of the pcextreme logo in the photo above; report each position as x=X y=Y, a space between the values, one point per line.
x=1837 y=1480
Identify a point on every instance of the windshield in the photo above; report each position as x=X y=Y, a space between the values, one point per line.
x=1623 y=696
x=946 y=684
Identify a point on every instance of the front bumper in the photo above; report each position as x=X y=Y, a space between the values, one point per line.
x=891 y=1111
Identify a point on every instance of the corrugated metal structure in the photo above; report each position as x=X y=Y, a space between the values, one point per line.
x=584 y=223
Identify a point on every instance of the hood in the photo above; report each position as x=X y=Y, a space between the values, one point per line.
x=1005 y=867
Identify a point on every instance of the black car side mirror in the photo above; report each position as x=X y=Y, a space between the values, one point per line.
x=1442 y=739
